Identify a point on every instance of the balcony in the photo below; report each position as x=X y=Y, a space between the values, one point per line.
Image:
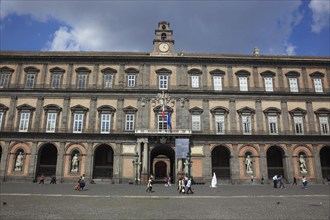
x=166 y=131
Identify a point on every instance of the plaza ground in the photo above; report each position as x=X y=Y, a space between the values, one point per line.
x=124 y=201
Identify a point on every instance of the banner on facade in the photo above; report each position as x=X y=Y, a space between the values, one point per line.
x=181 y=147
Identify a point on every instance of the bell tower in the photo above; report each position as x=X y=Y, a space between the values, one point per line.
x=163 y=42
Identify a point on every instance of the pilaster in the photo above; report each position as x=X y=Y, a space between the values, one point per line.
x=11 y=113
x=234 y=165
x=263 y=161
x=120 y=105
x=60 y=162
x=288 y=163
x=285 y=116
x=317 y=164
x=4 y=161
x=310 y=116
x=37 y=126
x=232 y=116
x=92 y=116
x=206 y=116
x=89 y=162
x=33 y=161
x=43 y=75
x=259 y=117
x=69 y=77
x=65 y=114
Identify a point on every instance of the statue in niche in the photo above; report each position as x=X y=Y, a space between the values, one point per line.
x=248 y=164
x=302 y=164
x=19 y=162
x=75 y=163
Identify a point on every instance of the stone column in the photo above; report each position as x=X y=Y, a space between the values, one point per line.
x=4 y=161
x=33 y=162
x=11 y=113
x=139 y=151
x=38 y=115
x=263 y=162
x=65 y=114
x=232 y=116
x=145 y=162
x=60 y=162
x=206 y=116
x=317 y=164
x=89 y=162
x=43 y=75
x=92 y=116
x=310 y=116
x=234 y=165
x=259 y=117
x=117 y=164
x=285 y=117
x=289 y=172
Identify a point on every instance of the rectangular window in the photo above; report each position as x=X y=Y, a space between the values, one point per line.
x=129 y=123
x=56 y=80
x=220 y=124
x=243 y=83
x=1 y=117
x=107 y=80
x=24 y=122
x=272 y=122
x=78 y=122
x=131 y=80
x=163 y=83
x=29 y=81
x=246 y=124
x=196 y=122
x=217 y=83
x=51 y=122
x=324 y=125
x=162 y=123
x=293 y=84
x=269 y=84
x=298 y=124
x=4 y=80
x=318 y=85
x=82 y=81
x=195 y=81
x=105 y=123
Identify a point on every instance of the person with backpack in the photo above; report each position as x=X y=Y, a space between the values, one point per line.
x=82 y=182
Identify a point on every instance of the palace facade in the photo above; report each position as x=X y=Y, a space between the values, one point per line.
x=123 y=116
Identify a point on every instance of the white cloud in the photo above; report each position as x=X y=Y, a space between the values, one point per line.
x=321 y=14
x=198 y=26
x=290 y=49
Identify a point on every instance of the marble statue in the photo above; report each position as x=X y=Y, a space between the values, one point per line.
x=75 y=163
x=302 y=164
x=19 y=162
x=248 y=165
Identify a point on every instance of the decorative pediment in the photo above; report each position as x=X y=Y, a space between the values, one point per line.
x=292 y=74
x=30 y=69
x=106 y=109
x=219 y=110
x=298 y=111
x=217 y=72
x=163 y=71
x=268 y=73
x=272 y=111
x=79 y=108
x=159 y=108
x=130 y=109
x=6 y=69
x=52 y=107
x=83 y=70
x=109 y=70
x=322 y=111
x=195 y=71
x=246 y=111
x=317 y=74
x=243 y=73
x=132 y=70
x=3 y=108
x=196 y=111
x=25 y=107
x=56 y=70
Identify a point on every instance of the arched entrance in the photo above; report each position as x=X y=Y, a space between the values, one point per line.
x=0 y=153
x=275 y=156
x=221 y=162
x=103 y=162
x=325 y=161
x=162 y=161
x=47 y=159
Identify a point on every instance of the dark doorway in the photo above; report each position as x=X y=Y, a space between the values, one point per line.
x=160 y=170
x=221 y=162
x=0 y=154
x=275 y=157
x=161 y=154
x=325 y=161
x=47 y=159
x=103 y=162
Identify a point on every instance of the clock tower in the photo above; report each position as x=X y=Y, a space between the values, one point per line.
x=163 y=42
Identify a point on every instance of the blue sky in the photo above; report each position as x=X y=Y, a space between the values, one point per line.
x=286 y=27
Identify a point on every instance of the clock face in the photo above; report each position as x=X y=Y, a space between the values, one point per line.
x=163 y=47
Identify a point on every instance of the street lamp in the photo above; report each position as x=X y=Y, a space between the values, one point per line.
x=136 y=163
x=188 y=163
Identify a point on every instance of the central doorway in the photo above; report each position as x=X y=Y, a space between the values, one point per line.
x=103 y=162
x=162 y=163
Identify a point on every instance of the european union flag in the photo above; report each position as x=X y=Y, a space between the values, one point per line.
x=169 y=120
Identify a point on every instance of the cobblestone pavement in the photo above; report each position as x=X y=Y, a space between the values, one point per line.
x=106 y=201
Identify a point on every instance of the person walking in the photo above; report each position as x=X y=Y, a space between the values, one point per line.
x=42 y=179
x=149 y=186
x=53 y=179
x=82 y=182
x=275 y=181
x=294 y=181
x=189 y=182
x=280 y=180
x=304 y=182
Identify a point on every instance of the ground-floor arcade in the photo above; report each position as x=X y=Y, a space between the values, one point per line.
x=135 y=161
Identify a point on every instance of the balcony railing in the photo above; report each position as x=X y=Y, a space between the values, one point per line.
x=160 y=131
